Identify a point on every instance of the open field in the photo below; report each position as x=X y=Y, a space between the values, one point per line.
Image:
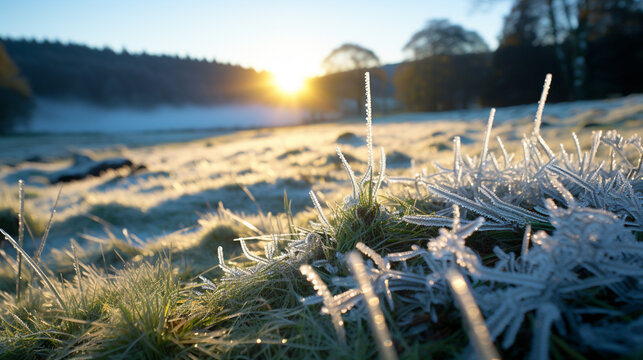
x=142 y=234
x=183 y=180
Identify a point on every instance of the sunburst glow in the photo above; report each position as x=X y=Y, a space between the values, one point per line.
x=290 y=80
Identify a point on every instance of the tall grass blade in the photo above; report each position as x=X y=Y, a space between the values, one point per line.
x=457 y=161
x=78 y=272
x=320 y=212
x=478 y=332
x=330 y=303
x=369 y=120
x=382 y=175
x=525 y=245
x=47 y=228
x=485 y=145
x=21 y=234
x=539 y=117
x=351 y=175
x=541 y=105
x=546 y=314
x=376 y=317
x=36 y=269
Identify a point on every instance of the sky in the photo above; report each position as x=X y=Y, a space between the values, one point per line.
x=279 y=36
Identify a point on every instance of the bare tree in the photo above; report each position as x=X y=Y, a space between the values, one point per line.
x=350 y=57
x=440 y=37
x=345 y=67
x=570 y=24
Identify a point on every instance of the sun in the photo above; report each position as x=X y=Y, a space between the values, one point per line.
x=289 y=81
x=289 y=84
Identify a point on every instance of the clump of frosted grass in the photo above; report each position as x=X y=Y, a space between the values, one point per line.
x=592 y=208
x=592 y=204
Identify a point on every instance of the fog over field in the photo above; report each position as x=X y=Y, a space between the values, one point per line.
x=57 y=116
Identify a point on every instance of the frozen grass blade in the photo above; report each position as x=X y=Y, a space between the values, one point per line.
x=366 y=177
x=505 y=157
x=428 y=220
x=36 y=269
x=320 y=212
x=539 y=117
x=377 y=259
x=525 y=245
x=77 y=269
x=595 y=143
x=455 y=224
x=457 y=161
x=48 y=227
x=330 y=303
x=545 y=316
x=376 y=317
x=369 y=120
x=541 y=105
x=382 y=175
x=464 y=202
x=478 y=332
x=578 y=150
x=207 y=284
x=250 y=255
x=241 y=221
x=351 y=175
x=514 y=211
x=226 y=269
x=19 y=321
x=21 y=235
x=526 y=154
x=485 y=145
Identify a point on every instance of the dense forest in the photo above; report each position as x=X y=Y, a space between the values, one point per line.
x=15 y=94
x=104 y=77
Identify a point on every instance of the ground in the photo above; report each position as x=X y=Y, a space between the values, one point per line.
x=171 y=198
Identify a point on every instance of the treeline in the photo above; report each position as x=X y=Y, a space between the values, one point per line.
x=107 y=78
x=593 y=48
x=15 y=94
x=510 y=75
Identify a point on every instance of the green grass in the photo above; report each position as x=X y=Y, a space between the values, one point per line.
x=143 y=302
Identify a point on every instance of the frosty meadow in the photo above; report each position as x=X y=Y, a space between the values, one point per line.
x=522 y=250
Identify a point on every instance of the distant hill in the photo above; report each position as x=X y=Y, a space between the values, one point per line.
x=108 y=78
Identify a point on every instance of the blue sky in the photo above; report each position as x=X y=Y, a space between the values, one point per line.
x=274 y=35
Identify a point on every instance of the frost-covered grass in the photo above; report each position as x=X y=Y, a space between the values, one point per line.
x=513 y=247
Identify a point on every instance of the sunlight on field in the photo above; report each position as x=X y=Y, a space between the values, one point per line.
x=192 y=199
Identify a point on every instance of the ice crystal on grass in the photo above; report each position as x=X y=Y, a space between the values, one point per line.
x=478 y=331
x=590 y=210
x=294 y=252
x=330 y=303
x=511 y=193
x=591 y=206
x=376 y=317
x=589 y=248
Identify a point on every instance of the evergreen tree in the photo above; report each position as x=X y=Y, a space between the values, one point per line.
x=15 y=94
